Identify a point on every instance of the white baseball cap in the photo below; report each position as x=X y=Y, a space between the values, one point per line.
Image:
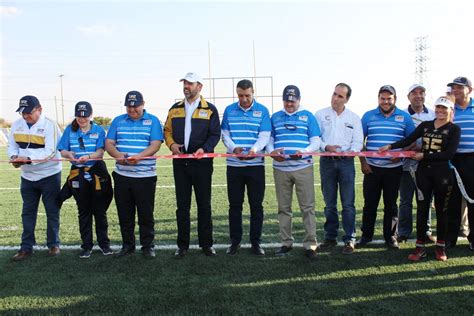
x=416 y=86
x=192 y=77
x=443 y=101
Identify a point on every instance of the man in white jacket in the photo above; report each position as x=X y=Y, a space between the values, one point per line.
x=31 y=146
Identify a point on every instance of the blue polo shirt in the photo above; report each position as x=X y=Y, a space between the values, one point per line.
x=293 y=133
x=83 y=144
x=380 y=130
x=244 y=128
x=132 y=137
x=465 y=120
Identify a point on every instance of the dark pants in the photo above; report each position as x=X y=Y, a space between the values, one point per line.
x=91 y=203
x=464 y=164
x=388 y=181
x=197 y=174
x=237 y=178
x=135 y=195
x=436 y=180
x=46 y=189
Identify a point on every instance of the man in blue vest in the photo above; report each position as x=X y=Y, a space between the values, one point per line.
x=131 y=137
x=246 y=130
x=382 y=126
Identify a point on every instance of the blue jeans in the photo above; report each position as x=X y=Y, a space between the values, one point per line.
x=31 y=192
x=405 y=211
x=338 y=173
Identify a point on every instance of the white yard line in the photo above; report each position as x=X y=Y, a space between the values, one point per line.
x=274 y=245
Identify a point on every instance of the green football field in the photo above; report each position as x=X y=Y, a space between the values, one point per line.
x=372 y=281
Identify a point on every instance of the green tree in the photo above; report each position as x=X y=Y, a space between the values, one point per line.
x=103 y=121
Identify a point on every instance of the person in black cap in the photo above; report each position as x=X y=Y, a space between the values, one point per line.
x=193 y=127
x=382 y=126
x=463 y=161
x=89 y=182
x=131 y=138
x=31 y=146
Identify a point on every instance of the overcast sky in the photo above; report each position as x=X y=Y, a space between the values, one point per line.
x=106 y=48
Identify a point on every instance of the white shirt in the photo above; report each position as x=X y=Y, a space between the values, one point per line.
x=38 y=142
x=189 y=108
x=344 y=129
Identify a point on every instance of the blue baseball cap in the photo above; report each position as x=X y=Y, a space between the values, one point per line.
x=133 y=98
x=291 y=93
x=27 y=104
x=461 y=81
x=83 y=109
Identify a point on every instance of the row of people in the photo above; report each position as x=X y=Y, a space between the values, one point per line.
x=291 y=135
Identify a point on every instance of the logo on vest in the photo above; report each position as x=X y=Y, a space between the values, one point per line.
x=257 y=113
x=146 y=122
x=303 y=118
x=202 y=113
x=399 y=118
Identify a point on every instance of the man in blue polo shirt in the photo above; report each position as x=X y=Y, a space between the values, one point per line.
x=131 y=137
x=461 y=87
x=382 y=126
x=246 y=130
x=295 y=132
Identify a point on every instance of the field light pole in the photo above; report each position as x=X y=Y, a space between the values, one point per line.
x=62 y=97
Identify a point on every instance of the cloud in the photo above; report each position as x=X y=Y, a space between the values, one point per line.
x=97 y=29
x=9 y=11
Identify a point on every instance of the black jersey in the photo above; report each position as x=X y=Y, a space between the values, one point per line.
x=439 y=144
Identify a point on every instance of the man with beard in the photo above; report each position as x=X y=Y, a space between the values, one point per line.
x=382 y=126
x=193 y=127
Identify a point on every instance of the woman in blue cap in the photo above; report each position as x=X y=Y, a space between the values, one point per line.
x=89 y=182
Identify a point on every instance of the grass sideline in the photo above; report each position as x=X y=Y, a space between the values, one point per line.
x=372 y=281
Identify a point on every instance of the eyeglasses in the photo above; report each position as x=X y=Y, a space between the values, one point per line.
x=290 y=127
x=81 y=143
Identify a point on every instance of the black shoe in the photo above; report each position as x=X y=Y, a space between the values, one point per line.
x=328 y=244
x=180 y=252
x=257 y=250
x=363 y=241
x=148 y=253
x=310 y=253
x=392 y=244
x=124 y=252
x=85 y=254
x=209 y=251
x=283 y=251
x=233 y=249
x=107 y=251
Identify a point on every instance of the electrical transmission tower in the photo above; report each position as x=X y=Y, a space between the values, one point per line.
x=420 y=59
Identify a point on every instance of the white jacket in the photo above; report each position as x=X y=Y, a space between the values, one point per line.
x=36 y=142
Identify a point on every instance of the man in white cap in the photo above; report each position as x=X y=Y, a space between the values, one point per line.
x=193 y=127
x=31 y=146
x=419 y=113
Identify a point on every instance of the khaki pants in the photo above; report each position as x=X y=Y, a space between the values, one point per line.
x=303 y=180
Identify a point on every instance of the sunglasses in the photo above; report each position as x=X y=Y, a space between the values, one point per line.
x=81 y=143
x=290 y=127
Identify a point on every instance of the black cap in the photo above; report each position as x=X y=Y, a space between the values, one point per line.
x=291 y=93
x=83 y=109
x=27 y=104
x=461 y=81
x=133 y=98
x=388 y=88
